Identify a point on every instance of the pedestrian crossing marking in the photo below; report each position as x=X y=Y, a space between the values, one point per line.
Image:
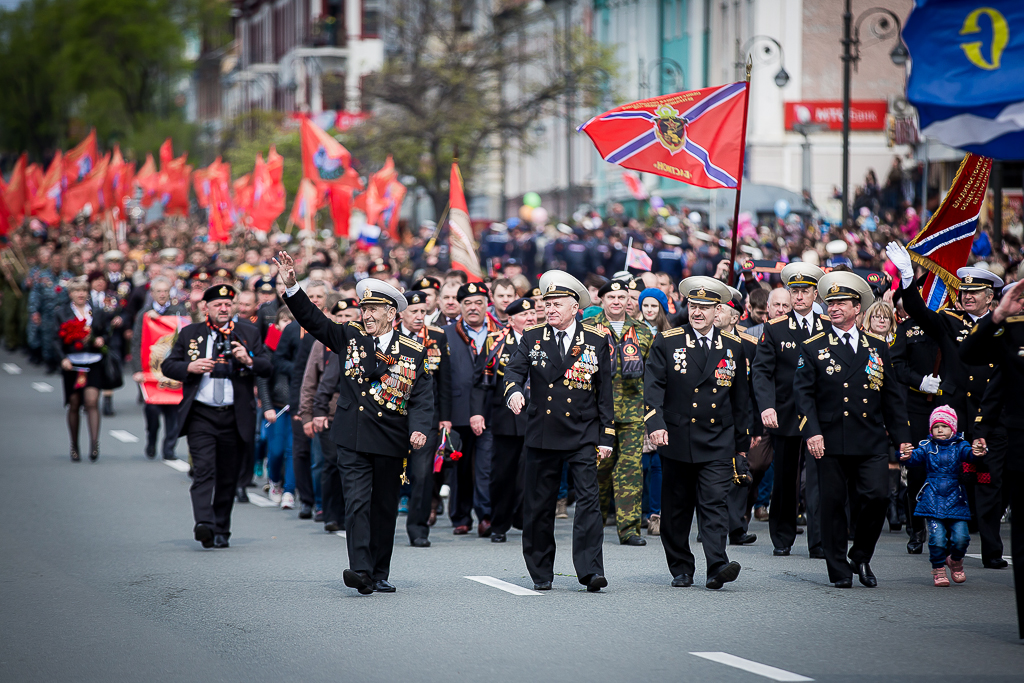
x=752 y=667
x=341 y=533
x=12 y=369
x=123 y=436
x=261 y=502
x=978 y=557
x=42 y=387
x=501 y=585
x=176 y=464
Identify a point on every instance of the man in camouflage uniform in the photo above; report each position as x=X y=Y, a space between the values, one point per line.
x=629 y=343
x=48 y=292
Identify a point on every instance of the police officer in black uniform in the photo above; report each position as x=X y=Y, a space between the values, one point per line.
x=570 y=419
x=386 y=404
x=777 y=354
x=966 y=387
x=217 y=362
x=849 y=406
x=699 y=415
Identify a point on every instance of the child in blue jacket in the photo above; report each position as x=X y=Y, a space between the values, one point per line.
x=942 y=500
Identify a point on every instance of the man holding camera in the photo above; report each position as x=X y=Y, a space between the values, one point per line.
x=217 y=362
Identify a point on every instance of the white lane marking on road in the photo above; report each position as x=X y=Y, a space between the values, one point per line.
x=501 y=585
x=12 y=369
x=342 y=534
x=176 y=464
x=751 y=666
x=123 y=436
x=978 y=557
x=42 y=387
x=261 y=502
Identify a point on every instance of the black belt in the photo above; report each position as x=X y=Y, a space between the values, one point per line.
x=219 y=409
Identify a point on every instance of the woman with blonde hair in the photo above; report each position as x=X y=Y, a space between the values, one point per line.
x=880 y=319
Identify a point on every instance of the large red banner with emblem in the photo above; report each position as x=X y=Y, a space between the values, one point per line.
x=158 y=336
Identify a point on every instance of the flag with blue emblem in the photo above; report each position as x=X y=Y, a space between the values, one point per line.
x=967 y=69
x=695 y=137
x=945 y=242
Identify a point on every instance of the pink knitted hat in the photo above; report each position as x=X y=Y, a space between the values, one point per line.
x=944 y=415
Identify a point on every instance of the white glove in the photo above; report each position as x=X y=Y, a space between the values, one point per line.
x=900 y=258
x=930 y=384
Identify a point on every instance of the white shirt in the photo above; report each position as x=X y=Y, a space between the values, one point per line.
x=704 y=336
x=854 y=336
x=570 y=332
x=809 y=319
x=98 y=298
x=518 y=335
x=384 y=341
x=84 y=357
x=205 y=394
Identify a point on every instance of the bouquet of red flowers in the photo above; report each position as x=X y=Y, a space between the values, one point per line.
x=74 y=333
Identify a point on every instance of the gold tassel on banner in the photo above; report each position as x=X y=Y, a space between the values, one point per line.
x=405 y=467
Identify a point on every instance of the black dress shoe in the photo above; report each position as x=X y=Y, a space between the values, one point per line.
x=745 y=539
x=461 y=530
x=542 y=586
x=498 y=538
x=998 y=563
x=634 y=540
x=682 y=581
x=240 y=495
x=305 y=511
x=726 y=574
x=863 y=572
x=220 y=541
x=150 y=451
x=419 y=543
x=318 y=516
x=816 y=554
x=915 y=546
x=361 y=581
x=384 y=586
x=596 y=583
x=204 y=535
x=331 y=527
x=843 y=583
x=782 y=552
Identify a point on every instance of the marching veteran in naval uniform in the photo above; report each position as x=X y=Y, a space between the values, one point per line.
x=570 y=419
x=849 y=407
x=385 y=406
x=699 y=415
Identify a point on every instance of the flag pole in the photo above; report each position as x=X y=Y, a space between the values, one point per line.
x=739 y=181
x=444 y=214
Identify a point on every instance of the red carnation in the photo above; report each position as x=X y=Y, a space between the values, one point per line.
x=456 y=455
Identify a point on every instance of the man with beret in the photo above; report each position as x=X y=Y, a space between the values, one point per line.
x=471 y=484
x=217 y=362
x=699 y=415
x=430 y=287
x=385 y=405
x=849 y=408
x=267 y=302
x=508 y=430
x=772 y=371
x=966 y=387
x=421 y=460
x=571 y=419
x=629 y=343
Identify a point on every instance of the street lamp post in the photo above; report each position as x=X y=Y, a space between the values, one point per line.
x=671 y=67
x=807 y=129
x=885 y=25
x=769 y=50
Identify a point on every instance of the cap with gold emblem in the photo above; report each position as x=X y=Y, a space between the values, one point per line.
x=800 y=274
x=219 y=292
x=267 y=285
x=114 y=255
x=974 y=279
x=701 y=289
x=221 y=272
x=535 y=292
x=427 y=282
x=414 y=298
x=735 y=299
x=618 y=286
x=344 y=305
x=378 y=292
x=841 y=284
x=558 y=283
x=380 y=266
x=520 y=306
x=472 y=289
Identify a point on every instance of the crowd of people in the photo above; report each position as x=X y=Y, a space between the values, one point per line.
x=814 y=400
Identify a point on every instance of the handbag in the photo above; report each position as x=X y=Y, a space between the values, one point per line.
x=113 y=375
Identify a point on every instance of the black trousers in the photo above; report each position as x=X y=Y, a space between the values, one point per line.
x=217 y=449
x=301 y=464
x=685 y=488
x=506 y=485
x=371 y=483
x=1013 y=478
x=868 y=476
x=785 y=491
x=421 y=496
x=916 y=475
x=330 y=482
x=542 y=477
x=170 y=415
x=989 y=496
x=460 y=501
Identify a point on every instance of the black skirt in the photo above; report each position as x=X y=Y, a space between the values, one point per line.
x=93 y=378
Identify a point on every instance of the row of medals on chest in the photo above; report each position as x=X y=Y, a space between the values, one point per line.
x=725 y=372
x=580 y=374
x=393 y=389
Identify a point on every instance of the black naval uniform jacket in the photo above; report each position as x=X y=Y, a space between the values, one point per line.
x=749 y=344
x=191 y=345
x=851 y=400
x=364 y=422
x=438 y=365
x=705 y=410
x=570 y=399
x=914 y=355
x=501 y=346
x=775 y=364
x=1004 y=346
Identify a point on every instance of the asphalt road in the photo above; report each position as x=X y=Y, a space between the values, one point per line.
x=102 y=581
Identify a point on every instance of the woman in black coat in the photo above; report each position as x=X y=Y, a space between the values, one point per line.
x=80 y=342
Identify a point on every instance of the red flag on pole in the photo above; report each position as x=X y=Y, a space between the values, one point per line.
x=81 y=160
x=633 y=184
x=324 y=159
x=46 y=203
x=267 y=194
x=87 y=194
x=307 y=201
x=340 y=197
x=147 y=179
x=461 y=245
x=16 y=193
x=637 y=258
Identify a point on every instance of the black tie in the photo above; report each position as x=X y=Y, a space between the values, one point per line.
x=704 y=344
x=560 y=338
x=803 y=324
x=848 y=340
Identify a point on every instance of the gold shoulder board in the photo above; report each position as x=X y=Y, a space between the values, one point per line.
x=1015 y=319
x=749 y=337
x=777 y=320
x=817 y=336
x=729 y=335
x=358 y=326
x=535 y=327
x=672 y=332
x=952 y=313
x=590 y=328
x=409 y=342
x=435 y=329
x=874 y=336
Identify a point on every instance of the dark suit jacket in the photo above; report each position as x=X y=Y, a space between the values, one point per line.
x=175 y=366
x=466 y=376
x=499 y=419
x=1002 y=345
x=361 y=422
x=100 y=328
x=705 y=409
x=914 y=355
x=559 y=415
x=440 y=369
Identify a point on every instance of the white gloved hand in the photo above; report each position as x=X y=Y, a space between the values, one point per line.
x=930 y=384
x=900 y=258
